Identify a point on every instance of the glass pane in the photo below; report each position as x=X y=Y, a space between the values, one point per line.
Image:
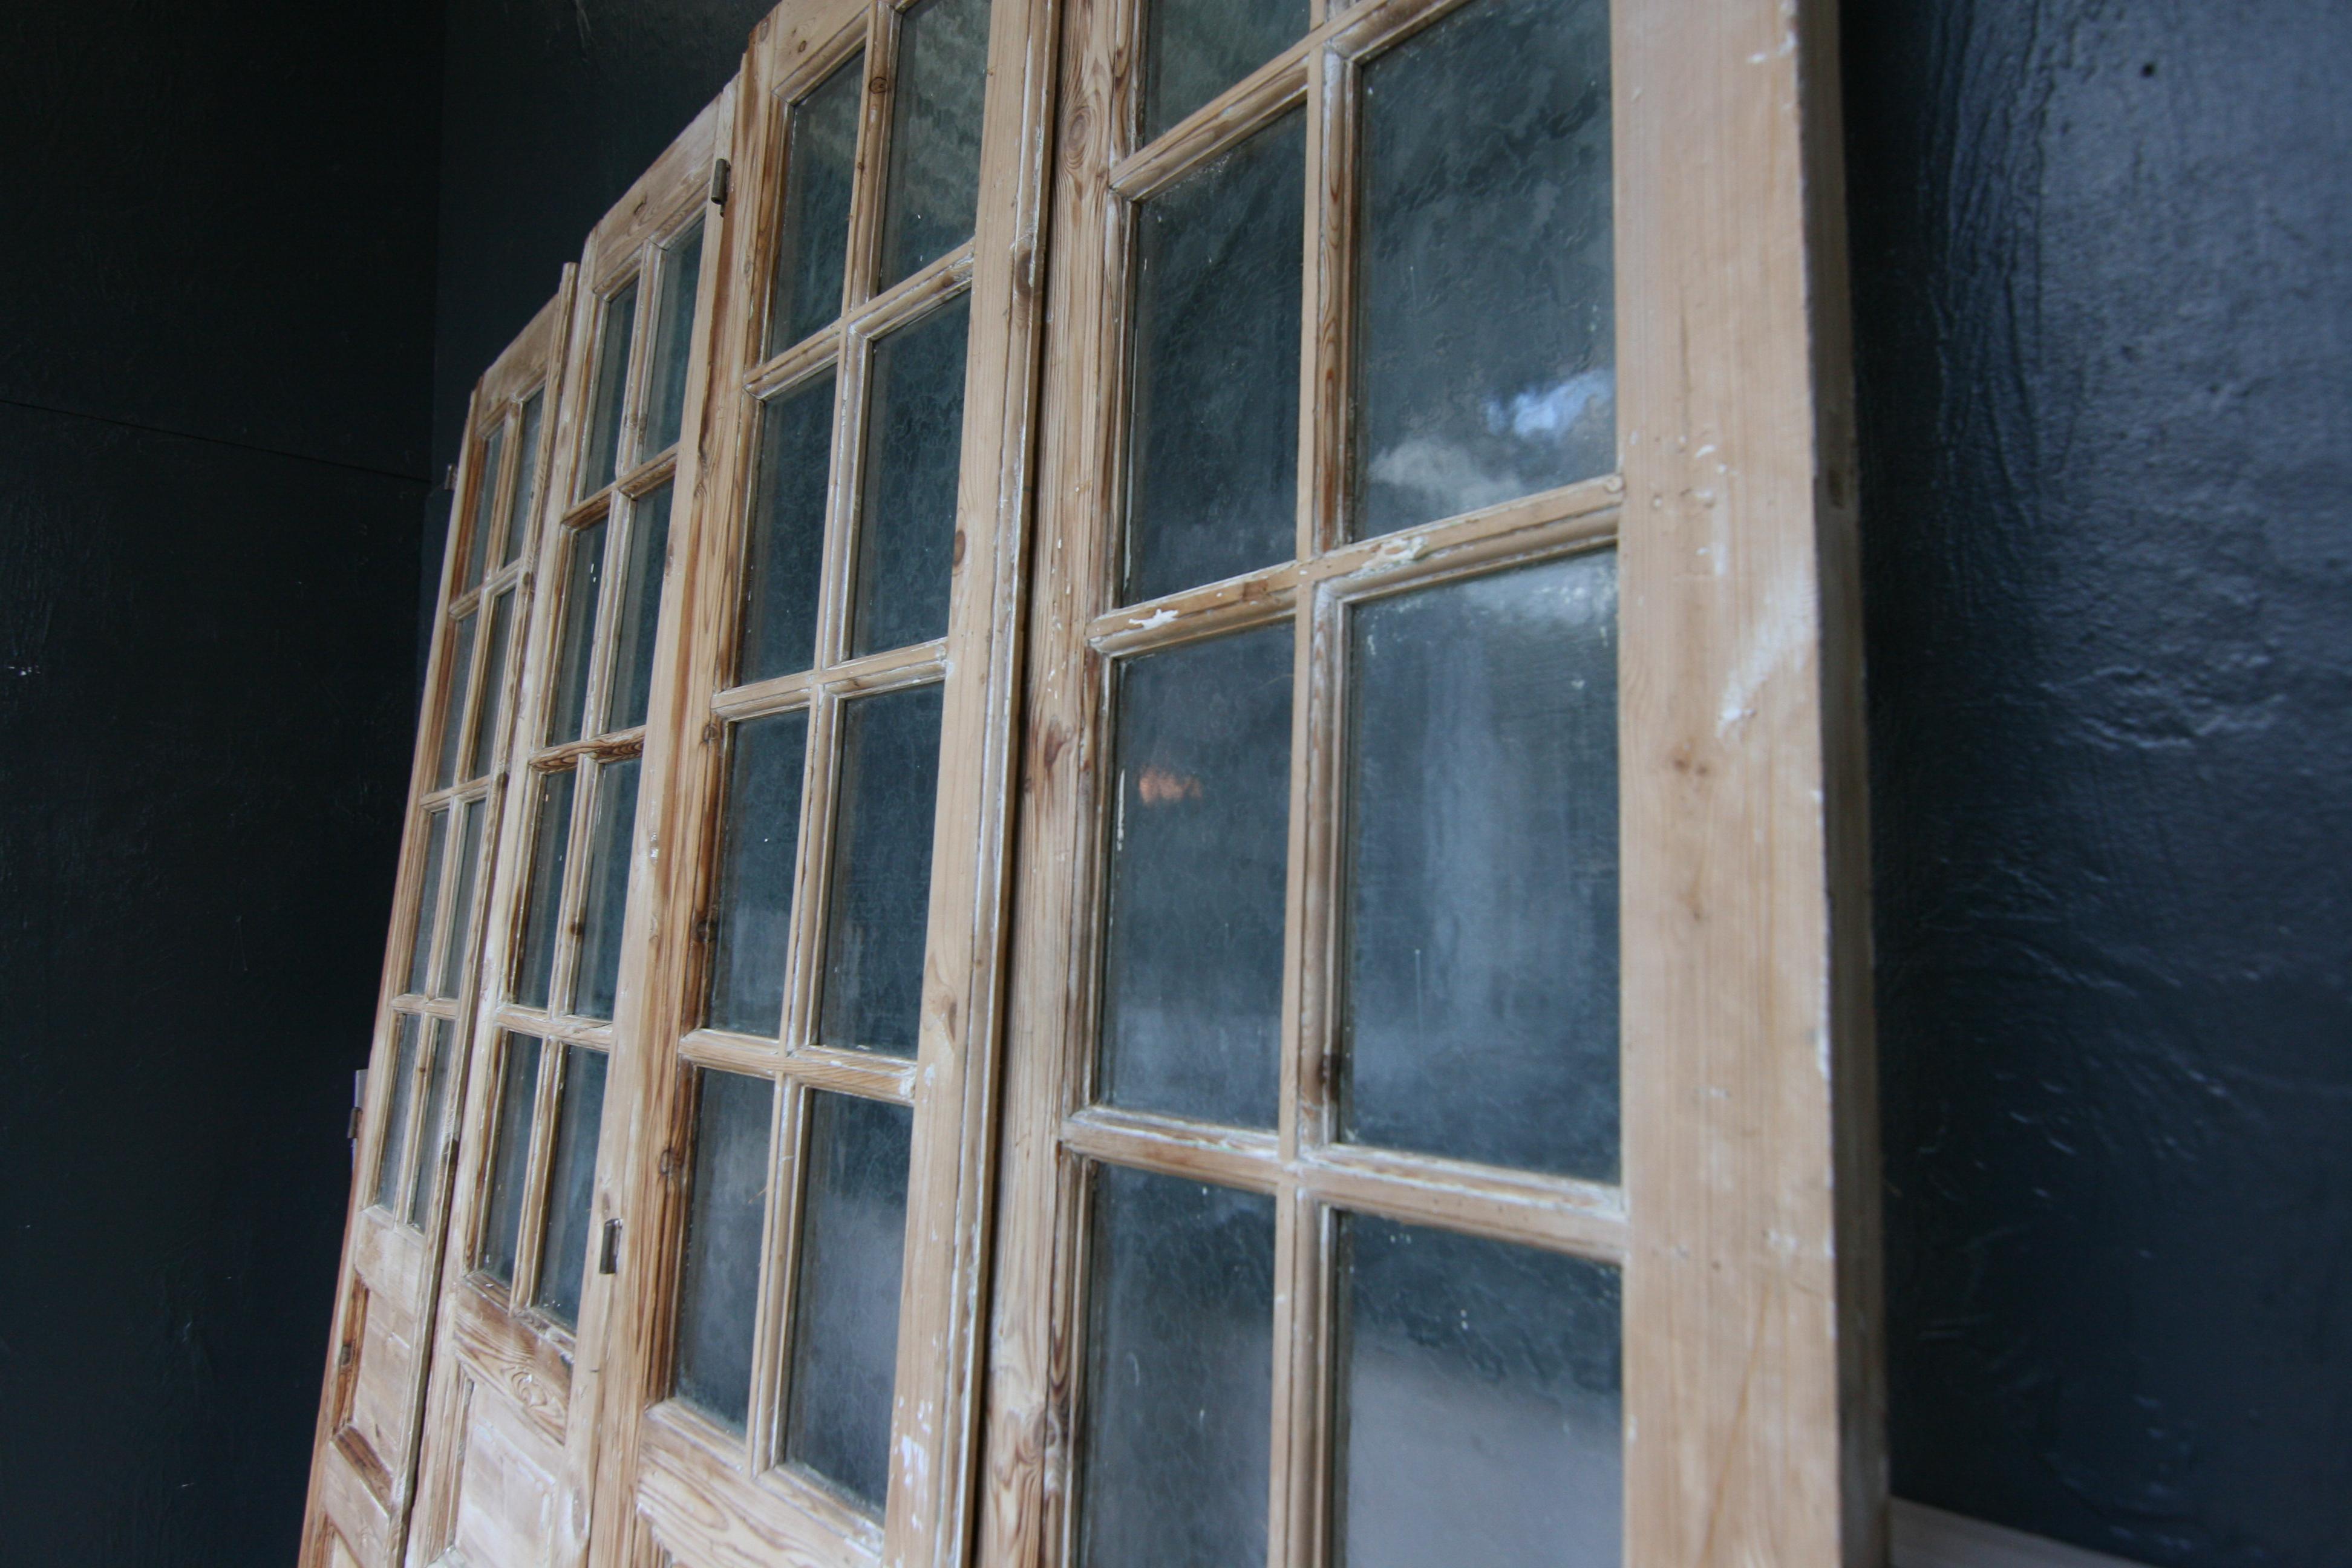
x=509 y=1157
x=491 y=696
x=935 y=134
x=486 y=508
x=881 y=903
x=1485 y=335
x=551 y=846
x=611 y=385
x=640 y=611
x=455 y=953
x=719 y=1290
x=395 y=1148
x=570 y=1185
x=846 y=1311
x=1482 y=860
x=1194 y=49
x=812 y=230
x=526 y=490
x=428 y=902
x=1213 y=433
x=424 y=1181
x=583 y=578
x=594 y=986
x=1179 y=1373
x=1192 y=966
x=753 y=904
x=914 y=451
x=787 y=544
x=453 y=706
x=681 y=277
x=1480 y=1385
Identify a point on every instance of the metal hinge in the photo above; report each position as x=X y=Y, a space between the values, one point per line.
x=608 y=1257
x=720 y=177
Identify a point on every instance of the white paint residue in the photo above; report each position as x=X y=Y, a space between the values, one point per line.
x=1158 y=617
x=1397 y=553
x=1788 y=617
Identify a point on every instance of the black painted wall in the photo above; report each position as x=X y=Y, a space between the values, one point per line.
x=2103 y=259
x=215 y=330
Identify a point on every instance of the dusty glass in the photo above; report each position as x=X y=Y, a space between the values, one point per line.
x=509 y=1157
x=786 y=548
x=455 y=951
x=570 y=1185
x=751 y=905
x=1485 y=336
x=392 y=1154
x=681 y=278
x=453 y=706
x=611 y=385
x=526 y=485
x=583 y=579
x=914 y=448
x=1179 y=1373
x=1194 y=49
x=812 y=230
x=844 y=1353
x=606 y=902
x=491 y=695
x=881 y=892
x=934 y=185
x=1479 y=1387
x=424 y=1182
x=1481 y=1008
x=718 y=1282
x=428 y=902
x=551 y=846
x=639 y=615
x=1212 y=425
x=1193 y=956
x=486 y=507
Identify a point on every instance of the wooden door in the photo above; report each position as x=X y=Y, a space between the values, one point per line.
x=364 y=1465
x=509 y=1446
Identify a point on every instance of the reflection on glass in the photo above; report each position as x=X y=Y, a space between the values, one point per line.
x=1485 y=336
x=813 y=232
x=453 y=706
x=718 y=1287
x=458 y=949
x=1481 y=859
x=845 y=1312
x=509 y=1157
x=1192 y=965
x=607 y=900
x=1480 y=1385
x=787 y=529
x=570 y=1185
x=914 y=447
x=491 y=694
x=620 y=325
x=424 y=1181
x=428 y=902
x=751 y=908
x=1179 y=1373
x=681 y=277
x=526 y=488
x=1194 y=49
x=392 y=1151
x=583 y=578
x=551 y=846
x=877 y=920
x=640 y=611
x=1213 y=433
x=486 y=507
x=935 y=134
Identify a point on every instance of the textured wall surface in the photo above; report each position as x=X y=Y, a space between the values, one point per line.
x=2104 y=273
x=215 y=313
